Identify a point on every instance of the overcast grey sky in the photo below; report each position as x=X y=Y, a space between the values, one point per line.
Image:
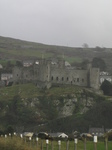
x=58 y=22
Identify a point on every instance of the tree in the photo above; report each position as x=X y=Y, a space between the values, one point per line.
x=107 y=88
x=85 y=45
x=99 y=63
x=19 y=113
x=84 y=63
x=8 y=67
x=9 y=130
x=19 y=63
x=99 y=49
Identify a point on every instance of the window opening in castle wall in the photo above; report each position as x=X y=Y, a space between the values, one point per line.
x=82 y=80
x=77 y=79
x=57 y=78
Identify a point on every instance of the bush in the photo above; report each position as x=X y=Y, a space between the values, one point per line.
x=107 y=88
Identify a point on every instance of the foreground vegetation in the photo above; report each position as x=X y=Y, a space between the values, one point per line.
x=17 y=143
x=13 y=144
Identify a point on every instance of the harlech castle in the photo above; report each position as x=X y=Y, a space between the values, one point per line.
x=45 y=73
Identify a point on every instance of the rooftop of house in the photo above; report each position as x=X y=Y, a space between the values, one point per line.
x=96 y=130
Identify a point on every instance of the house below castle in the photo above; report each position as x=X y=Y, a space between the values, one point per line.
x=105 y=76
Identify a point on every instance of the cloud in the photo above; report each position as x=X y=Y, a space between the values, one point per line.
x=59 y=22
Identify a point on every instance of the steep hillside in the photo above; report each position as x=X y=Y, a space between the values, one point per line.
x=42 y=109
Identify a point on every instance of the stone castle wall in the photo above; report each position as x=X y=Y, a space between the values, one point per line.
x=69 y=76
x=47 y=74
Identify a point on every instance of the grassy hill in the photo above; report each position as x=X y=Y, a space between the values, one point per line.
x=15 y=49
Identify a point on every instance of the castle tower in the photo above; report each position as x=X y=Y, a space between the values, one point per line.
x=94 y=78
x=44 y=70
x=61 y=63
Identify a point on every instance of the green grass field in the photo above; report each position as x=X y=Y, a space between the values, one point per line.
x=17 y=143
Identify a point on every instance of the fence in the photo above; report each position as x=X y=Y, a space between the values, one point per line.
x=42 y=144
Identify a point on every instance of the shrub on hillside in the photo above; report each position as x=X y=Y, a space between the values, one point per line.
x=106 y=87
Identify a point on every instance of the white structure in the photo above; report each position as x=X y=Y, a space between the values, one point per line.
x=28 y=63
x=6 y=76
x=28 y=134
x=58 y=135
x=67 y=64
x=105 y=76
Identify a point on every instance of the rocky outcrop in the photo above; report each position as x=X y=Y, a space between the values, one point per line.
x=64 y=106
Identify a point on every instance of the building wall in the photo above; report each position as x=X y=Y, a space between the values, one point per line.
x=23 y=74
x=17 y=74
x=67 y=76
